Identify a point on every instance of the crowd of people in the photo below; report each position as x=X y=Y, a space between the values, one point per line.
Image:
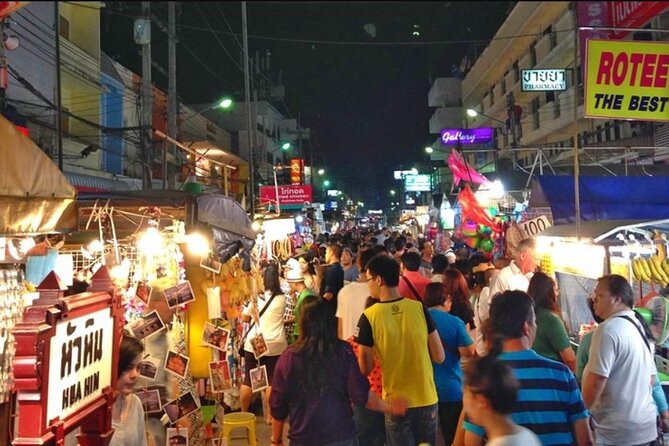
x=395 y=344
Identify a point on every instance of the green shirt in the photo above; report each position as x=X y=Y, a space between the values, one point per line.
x=551 y=336
x=296 y=309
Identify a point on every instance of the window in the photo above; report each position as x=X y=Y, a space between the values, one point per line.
x=533 y=55
x=616 y=130
x=550 y=96
x=553 y=37
x=64 y=27
x=492 y=95
x=270 y=158
x=516 y=72
x=556 y=108
x=535 y=113
x=503 y=84
x=607 y=132
x=598 y=129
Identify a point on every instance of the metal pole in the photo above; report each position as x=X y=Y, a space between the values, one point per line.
x=171 y=92
x=59 y=99
x=3 y=69
x=247 y=98
x=577 y=192
x=147 y=158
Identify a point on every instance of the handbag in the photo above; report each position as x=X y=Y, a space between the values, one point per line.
x=262 y=311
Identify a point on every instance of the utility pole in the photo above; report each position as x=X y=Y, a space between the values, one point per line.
x=577 y=191
x=147 y=103
x=4 y=81
x=59 y=100
x=247 y=98
x=171 y=93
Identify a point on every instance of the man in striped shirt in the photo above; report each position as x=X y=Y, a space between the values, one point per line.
x=549 y=401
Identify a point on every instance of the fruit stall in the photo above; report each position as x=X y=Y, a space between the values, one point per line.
x=634 y=249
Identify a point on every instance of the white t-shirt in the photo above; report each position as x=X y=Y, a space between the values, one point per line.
x=271 y=324
x=437 y=278
x=625 y=413
x=350 y=305
x=481 y=313
x=131 y=432
x=510 y=278
x=522 y=437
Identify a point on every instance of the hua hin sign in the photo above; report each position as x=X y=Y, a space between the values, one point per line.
x=543 y=80
x=482 y=135
x=80 y=364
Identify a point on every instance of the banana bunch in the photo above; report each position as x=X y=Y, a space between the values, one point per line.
x=655 y=269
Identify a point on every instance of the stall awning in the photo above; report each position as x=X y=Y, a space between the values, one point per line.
x=35 y=197
x=607 y=198
x=90 y=183
x=607 y=230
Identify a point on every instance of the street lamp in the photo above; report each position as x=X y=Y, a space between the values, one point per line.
x=224 y=103
x=429 y=150
x=392 y=192
x=326 y=183
x=473 y=114
x=285 y=146
x=321 y=171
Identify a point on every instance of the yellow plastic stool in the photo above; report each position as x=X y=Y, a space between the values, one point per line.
x=234 y=420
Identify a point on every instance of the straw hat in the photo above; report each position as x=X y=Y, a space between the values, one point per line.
x=294 y=275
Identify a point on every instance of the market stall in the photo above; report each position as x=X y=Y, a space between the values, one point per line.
x=36 y=205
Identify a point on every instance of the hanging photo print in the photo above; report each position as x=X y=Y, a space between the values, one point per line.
x=177 y=364
x=259 y=378
x=210 y=263
x=179 y=295
x=180 y=407
x=214 y=336
x=150 y=400
x=219 y=373
x=147 y=325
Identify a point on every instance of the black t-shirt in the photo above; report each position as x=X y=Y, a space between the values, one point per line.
x=333 y=281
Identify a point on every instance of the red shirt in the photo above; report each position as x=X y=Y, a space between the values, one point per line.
x=418 y=281
x=375 y=375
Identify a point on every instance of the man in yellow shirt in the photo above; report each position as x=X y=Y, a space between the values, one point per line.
x=402 y=334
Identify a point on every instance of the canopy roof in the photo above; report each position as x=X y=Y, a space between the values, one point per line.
x=35 y=197
x=605 y=231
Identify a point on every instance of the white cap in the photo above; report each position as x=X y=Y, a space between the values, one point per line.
x=294 y=275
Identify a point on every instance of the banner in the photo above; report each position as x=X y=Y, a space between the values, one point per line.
x=627 y=80
x=288 y=195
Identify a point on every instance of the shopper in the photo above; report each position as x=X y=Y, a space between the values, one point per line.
x=127 y=411
x=617 y=381
x=549 y=403
x=332 y=279
x=551 y=340
x=352 y=299
x=412 y=282
x=315 y=381
x=455 y=286
x=439 y=265
x=457 y=344
x=266 y=317
x=351 y=271
x=402 y=334
x=517 y=275
x=489 y=395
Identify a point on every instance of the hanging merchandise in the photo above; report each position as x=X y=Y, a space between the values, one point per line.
x=471 y=210
x=463 y=172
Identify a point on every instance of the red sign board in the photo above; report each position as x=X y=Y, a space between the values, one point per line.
x=288 y=195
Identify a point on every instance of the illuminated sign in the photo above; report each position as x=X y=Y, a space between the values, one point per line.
x=481 y=135
x=288 y=195
x=399 y=174
x=543 y=80
x=417 y=183
x=627 y=80
x=80 y=364
x=333 y=193
x=296 y=170
x=375 y=212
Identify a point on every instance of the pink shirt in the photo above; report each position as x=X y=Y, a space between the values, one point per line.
x=418 y=281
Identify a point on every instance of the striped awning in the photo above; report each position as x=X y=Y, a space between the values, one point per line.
x=91 y=183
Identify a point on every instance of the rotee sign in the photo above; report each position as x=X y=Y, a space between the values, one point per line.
x=627 y=80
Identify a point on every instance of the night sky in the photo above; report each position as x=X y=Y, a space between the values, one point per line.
x=366 y=103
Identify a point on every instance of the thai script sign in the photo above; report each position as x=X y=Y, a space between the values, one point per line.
x=481 y=135
x=543 y=80
x=627 y=80
x=288 y=195
x=296 y=170
x=80 y=363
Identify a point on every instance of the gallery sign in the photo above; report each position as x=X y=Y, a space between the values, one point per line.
x=80 y=364
x=481 y=135
x=627 y=80
x=288 y=195
x=543 y=80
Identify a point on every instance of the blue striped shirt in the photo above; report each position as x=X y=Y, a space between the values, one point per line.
x=549 y=401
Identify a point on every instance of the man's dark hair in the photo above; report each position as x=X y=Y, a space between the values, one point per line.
x=335 y=250
x=365 y=256
x=439 y=264
x=508 y=313
x=386 y=267
x=618 y=286
x=400 y=243
x=411 y=261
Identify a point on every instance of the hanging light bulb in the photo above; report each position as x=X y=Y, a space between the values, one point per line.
x=150 y=242
x=197 y=244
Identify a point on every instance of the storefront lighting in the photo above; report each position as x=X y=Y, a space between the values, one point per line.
x=497 y=189
x=299 y=219
x=150 y=242
x=95 y=246
x=256 y=226
x=197 y=244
